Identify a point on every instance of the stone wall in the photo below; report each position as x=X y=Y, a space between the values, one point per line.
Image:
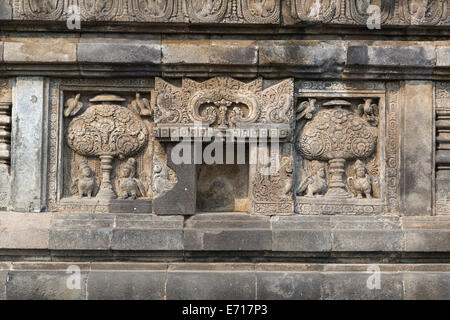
x=353 y=118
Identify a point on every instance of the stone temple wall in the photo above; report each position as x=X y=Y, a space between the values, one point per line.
x=334 y=121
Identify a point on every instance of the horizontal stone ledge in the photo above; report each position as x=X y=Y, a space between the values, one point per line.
x=151 y=49
x=400 y=55
x=222 y=233
x=47 y=280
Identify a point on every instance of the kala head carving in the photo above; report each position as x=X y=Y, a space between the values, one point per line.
x=336 y=134
x=106 y=131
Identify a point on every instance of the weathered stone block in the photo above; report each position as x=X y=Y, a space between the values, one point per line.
x=81 y=232
x=5 y=10
x=427 y=240
x=228 y=52
x=443 y=56
x=182 y=198
x=426 y=285
x=1 y=51
x=418 y=148
x=368 y=240
x=28 y=154
x=80 y=239
x=123 y=281
x=127 y=206
x=302 y=53
x=288 y=286
x=227 y=232
x=354 y=286
x=119 y=51
x=401 y=55
x=43 y=285
x=186 y=52
x=24 y=231
x=3 y=277
x=40 y=50
x=148 y=233
x=302 y=240
x=301 y=233
x=219 y=281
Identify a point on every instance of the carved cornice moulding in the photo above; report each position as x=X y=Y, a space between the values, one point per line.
x=253 y=12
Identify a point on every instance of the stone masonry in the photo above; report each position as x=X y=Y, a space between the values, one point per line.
x=225 y=149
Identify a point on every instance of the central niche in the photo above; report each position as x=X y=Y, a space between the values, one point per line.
x=223 y=187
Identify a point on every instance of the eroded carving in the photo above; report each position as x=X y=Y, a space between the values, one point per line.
x=315 y=10
x=130 y=187
x=417 y=12
x=164 y=178
x=141 y=106
x=41 y=9
x=315 y=184
x=73 y=106
x=361 y=184
x=272 y=193
x=84 y=185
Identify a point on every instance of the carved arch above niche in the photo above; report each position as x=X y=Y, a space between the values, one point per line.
x=224 y=103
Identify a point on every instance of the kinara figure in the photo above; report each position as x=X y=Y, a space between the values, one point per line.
x=362 y=183
x=315 y=184
x=85 y=183
x=129 y=186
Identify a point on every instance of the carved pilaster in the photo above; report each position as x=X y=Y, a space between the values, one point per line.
x=5 y=141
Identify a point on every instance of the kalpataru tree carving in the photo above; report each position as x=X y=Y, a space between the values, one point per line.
x=337 y=135
x=106 y=130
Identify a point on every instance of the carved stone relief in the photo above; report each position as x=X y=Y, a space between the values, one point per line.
x=333 y=165
x=100 y=146
x=164 y=178
x=196 y=11
x=251 y=112
x=315 y=11
x=393 y=12
x=5 y=140
x=224 y=103
x=338 y=143
x=106 y=130
x=272 y=194
x=442 y=148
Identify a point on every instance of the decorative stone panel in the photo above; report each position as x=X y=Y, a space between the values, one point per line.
x=5 y=140
x=442 y=147
x=346 y=142
x=101 y=150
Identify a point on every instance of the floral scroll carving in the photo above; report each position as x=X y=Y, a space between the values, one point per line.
x=223 y=102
